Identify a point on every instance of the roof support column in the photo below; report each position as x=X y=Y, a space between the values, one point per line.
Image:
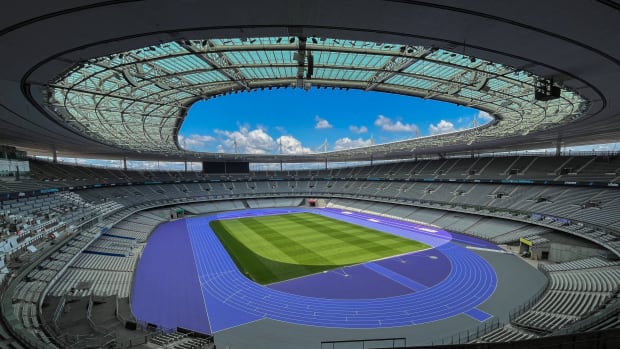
x=54 y=155
x=125 y=163
x=558 y=148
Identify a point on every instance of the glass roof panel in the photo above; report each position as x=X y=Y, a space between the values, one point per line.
x=205 y=77
x=112 y=96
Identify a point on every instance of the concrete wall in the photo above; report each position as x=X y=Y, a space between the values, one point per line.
x=561 y=252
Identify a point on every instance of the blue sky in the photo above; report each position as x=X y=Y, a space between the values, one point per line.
x=259 y=121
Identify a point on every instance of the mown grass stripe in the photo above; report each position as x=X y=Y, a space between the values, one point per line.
x=275 y=248
x=246 y=260
x=295 y=251
x=356 y=239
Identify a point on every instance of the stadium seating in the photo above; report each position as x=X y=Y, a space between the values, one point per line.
x=576 y=289
x=604 y=169
x=500 y=212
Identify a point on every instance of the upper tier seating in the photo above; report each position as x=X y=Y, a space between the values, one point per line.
x=603 y=169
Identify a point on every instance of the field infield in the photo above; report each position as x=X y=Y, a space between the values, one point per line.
x=270 y=249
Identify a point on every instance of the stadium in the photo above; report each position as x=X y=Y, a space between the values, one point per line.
x=499 y=235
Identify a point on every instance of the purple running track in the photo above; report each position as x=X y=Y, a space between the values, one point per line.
x=343 y=283
x=393 y=292
x=166 y=290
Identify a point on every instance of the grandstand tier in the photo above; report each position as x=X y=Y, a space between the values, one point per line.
x=100 y=262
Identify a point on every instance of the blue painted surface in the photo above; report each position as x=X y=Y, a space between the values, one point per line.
x=428 y=267
x=343 y=283
x=478 y=314
x=166 y=290
x=392 y=275
x=231 y=299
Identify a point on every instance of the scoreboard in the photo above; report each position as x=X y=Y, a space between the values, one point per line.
x=223 y=167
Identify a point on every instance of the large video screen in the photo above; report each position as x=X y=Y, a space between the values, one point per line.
x=223 y=167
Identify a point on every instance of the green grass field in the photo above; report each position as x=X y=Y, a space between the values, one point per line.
x=269 y=249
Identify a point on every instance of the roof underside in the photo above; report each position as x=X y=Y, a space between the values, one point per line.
x=136 y=100
x=131 y=106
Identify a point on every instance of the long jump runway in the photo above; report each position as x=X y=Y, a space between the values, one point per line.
x=185 y=278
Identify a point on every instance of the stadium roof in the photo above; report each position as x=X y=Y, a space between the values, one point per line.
x=115 y=79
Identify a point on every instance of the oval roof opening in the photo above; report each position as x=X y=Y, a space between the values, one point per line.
x=295 y=121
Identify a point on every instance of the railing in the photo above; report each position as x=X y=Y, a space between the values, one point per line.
x=392 y=343
x=599 y=339
x=596 y=316
x=28 y=338
x=477 y=210
x=517 y=311
x=9 y=318
x=58 y=312
x=344 y=165
x=118 y=315
x=470 y=334
x=120 y=343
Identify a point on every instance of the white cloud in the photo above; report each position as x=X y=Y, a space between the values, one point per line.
x=358 y=129
x=605 y=147
x=484 y=116
x=442 y=127
x=348 y=143
x=321 y=123
x=246 y=141
x=258 y=141
x=154 y=165
x=387 y=124
x=291 y=145
x=91 y=162
x=195 y=141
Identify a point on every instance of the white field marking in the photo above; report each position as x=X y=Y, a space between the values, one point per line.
x=348 y=266
x=373 y=220
x=486 y=249
x=428 y=230
x=346 y=212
